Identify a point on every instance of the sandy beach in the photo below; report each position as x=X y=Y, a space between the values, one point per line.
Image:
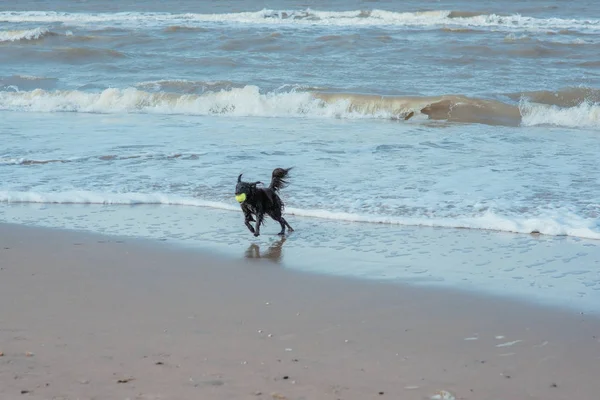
x=85 y=316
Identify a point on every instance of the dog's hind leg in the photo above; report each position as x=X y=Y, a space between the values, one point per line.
x=286 y=224
x=283 y=224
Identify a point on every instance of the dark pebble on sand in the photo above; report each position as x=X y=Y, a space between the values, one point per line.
x=286 y=377
x=554 y=385
x=24 y=391
x=160 y=363
x=381 y=393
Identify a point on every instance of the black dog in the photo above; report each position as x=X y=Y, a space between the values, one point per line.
x=260 y=201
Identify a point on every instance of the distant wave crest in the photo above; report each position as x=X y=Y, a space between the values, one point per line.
x=101 y=158
x=357 y=18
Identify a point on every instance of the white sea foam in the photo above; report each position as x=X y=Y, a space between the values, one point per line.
x=87 y=197
x=26 y=34
x=358 y=18
x=554 y=225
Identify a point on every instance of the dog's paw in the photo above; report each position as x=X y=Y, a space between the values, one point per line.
x=256 y=233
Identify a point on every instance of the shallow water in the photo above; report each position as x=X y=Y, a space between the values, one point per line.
x=467 y=176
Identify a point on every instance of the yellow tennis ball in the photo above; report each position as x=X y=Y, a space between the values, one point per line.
x=241 y=197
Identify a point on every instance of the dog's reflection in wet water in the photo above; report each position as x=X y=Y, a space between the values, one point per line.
x=273 y=253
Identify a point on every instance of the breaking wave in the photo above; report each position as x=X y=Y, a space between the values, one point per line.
x=26 y=34
x=246 y=101
x=585 y=115
x=357 y=18
x=570 y=107
x=551 y=225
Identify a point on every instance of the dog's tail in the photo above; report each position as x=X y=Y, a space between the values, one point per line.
x=279 y=178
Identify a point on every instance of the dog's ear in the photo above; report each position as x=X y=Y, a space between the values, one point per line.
x=240 y=178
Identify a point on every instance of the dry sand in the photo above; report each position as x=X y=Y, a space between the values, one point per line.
x=92 y=317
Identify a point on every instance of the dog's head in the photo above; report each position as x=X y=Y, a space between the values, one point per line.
x=244 y=190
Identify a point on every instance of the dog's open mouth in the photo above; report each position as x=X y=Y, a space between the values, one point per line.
x=240 y=197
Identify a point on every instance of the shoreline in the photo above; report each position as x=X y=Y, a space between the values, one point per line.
x=554 y=271
x=93 y=310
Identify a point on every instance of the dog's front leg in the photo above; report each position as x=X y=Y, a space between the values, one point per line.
x=259 y=219
x=248 y=218
x=249 y=225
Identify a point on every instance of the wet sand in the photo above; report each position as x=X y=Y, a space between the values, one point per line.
x=86 y=316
